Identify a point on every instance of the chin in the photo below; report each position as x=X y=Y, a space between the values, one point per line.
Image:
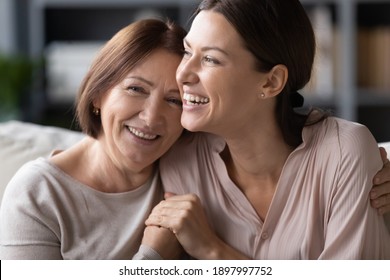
x=190 y=126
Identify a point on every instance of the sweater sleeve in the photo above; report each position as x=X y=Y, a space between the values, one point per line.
x=146 y=253
x=353 y=229
x=25 y=233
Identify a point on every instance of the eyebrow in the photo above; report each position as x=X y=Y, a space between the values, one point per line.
x=140 y=78
x=175 y=90
x=207 y=48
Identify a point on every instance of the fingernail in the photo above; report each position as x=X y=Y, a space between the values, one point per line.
x=376 y=180
x=373 y=194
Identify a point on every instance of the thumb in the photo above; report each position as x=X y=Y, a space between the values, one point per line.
x=383 y=155
x=168 y=195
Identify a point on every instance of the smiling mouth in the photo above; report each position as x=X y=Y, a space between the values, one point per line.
x=142 y=135
x=194 y=99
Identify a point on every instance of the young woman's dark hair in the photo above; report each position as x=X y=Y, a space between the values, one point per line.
x=275 y=32
x=128 y=47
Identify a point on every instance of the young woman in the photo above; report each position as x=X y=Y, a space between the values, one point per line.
x=265 y=182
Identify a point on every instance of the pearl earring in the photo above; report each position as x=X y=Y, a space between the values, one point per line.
x=96 y=111
x=262 y=95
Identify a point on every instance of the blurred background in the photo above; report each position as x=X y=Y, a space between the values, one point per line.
x=46 y=47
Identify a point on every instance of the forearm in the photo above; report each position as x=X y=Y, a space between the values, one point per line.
x=218 y=250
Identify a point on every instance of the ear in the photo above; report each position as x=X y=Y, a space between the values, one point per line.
x=96 y=103
x=275 y=81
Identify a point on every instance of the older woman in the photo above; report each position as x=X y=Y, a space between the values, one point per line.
x=91 y=201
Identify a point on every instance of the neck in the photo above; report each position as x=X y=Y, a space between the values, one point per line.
x=256 y=159
x=114 y=176
x=91 y=165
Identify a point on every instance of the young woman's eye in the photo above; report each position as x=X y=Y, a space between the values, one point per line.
x=210 y=60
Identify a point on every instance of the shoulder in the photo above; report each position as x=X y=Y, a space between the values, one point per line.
x=30 y=172
x=26 y=193
x=344 y=143
x=34 y=180
x=192 y=145
x=336 y=133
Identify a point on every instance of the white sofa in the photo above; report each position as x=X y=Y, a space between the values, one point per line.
x=21 y=142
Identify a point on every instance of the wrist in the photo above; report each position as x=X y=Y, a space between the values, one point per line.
x=221 y=251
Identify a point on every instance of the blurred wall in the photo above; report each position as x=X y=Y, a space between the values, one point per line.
x=7 y=30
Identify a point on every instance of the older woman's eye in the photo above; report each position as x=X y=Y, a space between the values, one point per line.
x=186 y=53
x=135 y=89
x=175 y=101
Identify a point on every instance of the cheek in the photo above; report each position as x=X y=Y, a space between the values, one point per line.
x=174 y=123
x=217 y=80
x=113 y=102
x=217 y=88
x=229 y=86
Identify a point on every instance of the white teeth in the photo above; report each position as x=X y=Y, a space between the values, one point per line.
x=195 y=100
x=142 y=135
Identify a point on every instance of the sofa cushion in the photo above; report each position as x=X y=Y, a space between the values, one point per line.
x=22 y=141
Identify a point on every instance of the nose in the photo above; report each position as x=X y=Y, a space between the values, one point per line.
x=186 y=73
x=152 y=113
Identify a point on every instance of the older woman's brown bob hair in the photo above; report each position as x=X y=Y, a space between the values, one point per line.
x=128 y=47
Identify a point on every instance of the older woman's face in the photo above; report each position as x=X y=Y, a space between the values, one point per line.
x=218 y=78
x=141 y=115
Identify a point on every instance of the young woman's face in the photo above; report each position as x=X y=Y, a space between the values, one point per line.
x=217 y=77
x=141 y=115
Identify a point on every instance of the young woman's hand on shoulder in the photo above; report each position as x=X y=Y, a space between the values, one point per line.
x=380 y=193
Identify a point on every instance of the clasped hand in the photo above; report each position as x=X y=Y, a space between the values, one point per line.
x=184 y=216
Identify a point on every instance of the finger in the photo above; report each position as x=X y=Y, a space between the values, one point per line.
x=383 y=155
x=185 y=203
x=382 y=201
x=383 y=175
x=162 y=221
x=168 y=195
x=380 y=190
x=174 y=202
x=170 y=208
x=158 y=208
x=154 y=220
x=384 y=210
